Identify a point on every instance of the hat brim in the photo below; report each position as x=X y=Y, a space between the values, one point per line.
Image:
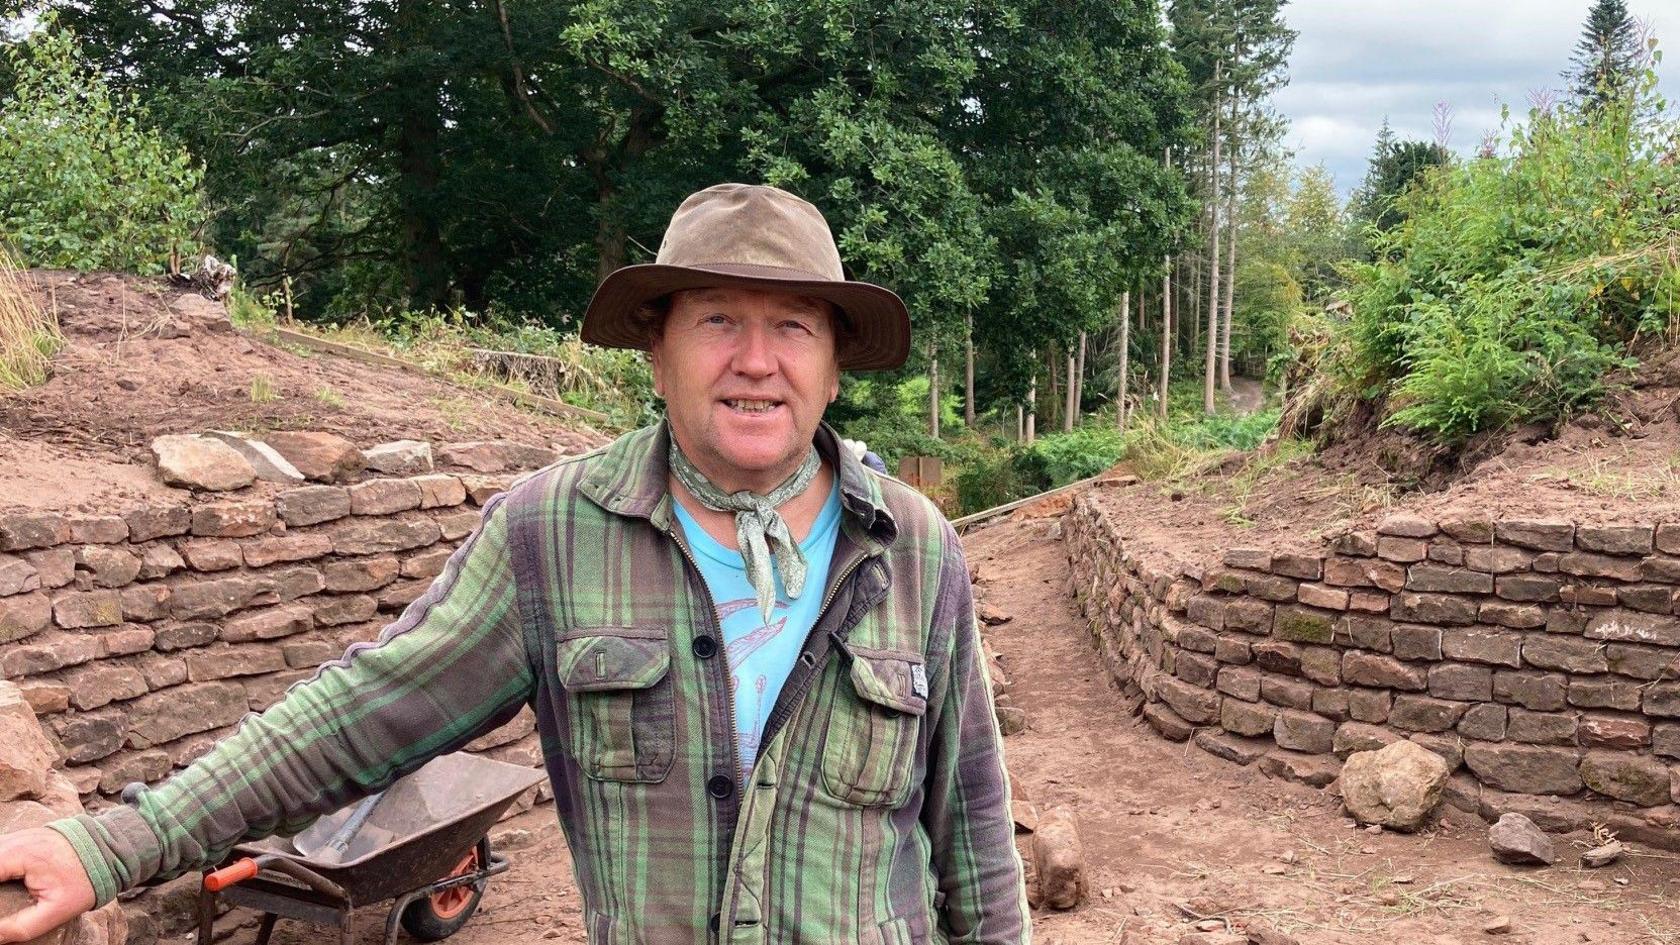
x=879 y=338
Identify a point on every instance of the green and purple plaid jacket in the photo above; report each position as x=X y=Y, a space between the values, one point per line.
x=877 y=812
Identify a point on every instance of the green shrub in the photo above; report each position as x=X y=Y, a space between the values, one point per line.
x=993 y=478
x=1515 y=283
x=83 y=183
x=1060 y=458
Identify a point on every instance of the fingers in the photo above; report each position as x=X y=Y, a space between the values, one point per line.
x=54 y=888
x=33 y=922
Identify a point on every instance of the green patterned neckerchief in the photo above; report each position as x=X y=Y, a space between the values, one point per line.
x=760 y=532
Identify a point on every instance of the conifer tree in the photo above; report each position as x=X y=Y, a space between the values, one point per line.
x=1606 y=60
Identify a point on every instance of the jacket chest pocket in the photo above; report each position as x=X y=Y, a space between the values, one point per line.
x=619 y=690
x=869 y=754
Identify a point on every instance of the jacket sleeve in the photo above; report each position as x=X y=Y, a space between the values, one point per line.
x=966 y=812
x=453 y=666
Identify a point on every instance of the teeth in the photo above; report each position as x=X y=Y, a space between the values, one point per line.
x=752 y=406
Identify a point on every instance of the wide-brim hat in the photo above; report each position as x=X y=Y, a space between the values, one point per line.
x=757 y=236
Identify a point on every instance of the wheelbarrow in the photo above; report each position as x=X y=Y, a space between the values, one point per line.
x=424 y=843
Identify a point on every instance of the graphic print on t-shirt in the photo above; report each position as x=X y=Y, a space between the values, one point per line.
x=750 y=707
x=760 y=654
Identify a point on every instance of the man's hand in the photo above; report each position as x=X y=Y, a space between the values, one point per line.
x=54 y=877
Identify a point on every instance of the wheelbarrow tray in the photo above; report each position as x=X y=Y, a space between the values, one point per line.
x=427 y=822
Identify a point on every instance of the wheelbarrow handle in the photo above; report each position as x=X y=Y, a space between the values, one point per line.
x=244 y=869
x=233 y=874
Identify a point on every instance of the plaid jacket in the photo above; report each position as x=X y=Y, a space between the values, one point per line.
x=877 y=812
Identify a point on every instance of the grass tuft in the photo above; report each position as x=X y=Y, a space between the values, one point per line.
x=29 y=335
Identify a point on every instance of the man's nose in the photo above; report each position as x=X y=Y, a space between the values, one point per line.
x=755 y=354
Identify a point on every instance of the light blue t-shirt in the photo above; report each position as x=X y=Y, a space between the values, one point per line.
x=761 y=655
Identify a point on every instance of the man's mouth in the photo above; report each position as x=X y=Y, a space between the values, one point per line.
x=752 y=406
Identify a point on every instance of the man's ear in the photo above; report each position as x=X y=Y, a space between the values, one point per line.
x=654 y=364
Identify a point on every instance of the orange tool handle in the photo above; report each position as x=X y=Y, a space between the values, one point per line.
x=239 y=872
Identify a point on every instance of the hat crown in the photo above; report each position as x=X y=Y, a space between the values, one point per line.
x=751 y=225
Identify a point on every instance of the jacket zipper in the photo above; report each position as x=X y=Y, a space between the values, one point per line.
x=778 y=716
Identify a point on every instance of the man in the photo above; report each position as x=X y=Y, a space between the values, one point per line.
x=753 y=663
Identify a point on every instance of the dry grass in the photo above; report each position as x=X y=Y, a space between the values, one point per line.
x=1629 y=476
x=29 y=335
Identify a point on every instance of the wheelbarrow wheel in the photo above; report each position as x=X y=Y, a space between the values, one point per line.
x=442 y=914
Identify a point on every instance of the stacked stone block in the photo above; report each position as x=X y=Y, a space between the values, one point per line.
x=1541 y=659
x=140 y=639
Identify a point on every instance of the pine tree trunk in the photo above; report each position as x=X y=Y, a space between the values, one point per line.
x=1054 y=403
x=1079 y=381
x=1209 y=368
x=1166 y=335
x=1230 y=258
x=1020 y=424
x=933 y=391
x=968 y=370
x=1070 y=408
x=1125 y=356
x=1032 y=409
x=1166 y=318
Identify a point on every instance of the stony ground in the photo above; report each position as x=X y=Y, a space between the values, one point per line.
x=1173 y=836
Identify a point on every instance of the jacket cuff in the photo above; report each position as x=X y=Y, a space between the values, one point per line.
x=87 y=850
x=118 y=849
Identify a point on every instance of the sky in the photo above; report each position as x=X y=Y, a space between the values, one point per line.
x=1356 y=61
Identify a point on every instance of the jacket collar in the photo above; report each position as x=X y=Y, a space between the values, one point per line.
x=631 y=478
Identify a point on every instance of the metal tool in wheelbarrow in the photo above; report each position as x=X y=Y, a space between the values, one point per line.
x=324 y=842
x=423 y=843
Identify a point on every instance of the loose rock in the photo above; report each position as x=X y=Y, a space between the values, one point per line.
x=400 y=458
x=323 y=457
x=1012 y=720
x=1060 y=861
x=25 y=754
x=269 y=465
x=198 y=462
x=1602 y=856
x=1516 y=840
x=1397 y=787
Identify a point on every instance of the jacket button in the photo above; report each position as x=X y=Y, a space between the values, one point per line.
x=705 y=647
x=720 y=786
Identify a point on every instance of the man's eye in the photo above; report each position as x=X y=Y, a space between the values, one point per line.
x=801 y=326
x=713 y=319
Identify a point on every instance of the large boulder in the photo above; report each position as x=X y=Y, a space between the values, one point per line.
x=26 y=756
x=1397 y=786
x=1515 y=839
x=32 y=794
x=198 y=462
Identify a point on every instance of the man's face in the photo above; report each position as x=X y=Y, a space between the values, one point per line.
x=746 y=375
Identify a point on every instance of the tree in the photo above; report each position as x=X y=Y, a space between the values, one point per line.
x=1317 y=228
x=1394 y=167
x=85 y=183
x=1234 y=52
x=1061 y=134
x=1607 y=58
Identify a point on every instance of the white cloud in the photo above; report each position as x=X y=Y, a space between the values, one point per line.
x=1356 y=62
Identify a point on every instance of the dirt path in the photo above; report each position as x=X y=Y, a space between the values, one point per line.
x=1247 y=395
x=1164 y=824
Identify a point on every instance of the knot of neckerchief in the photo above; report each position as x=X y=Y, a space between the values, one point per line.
x=760 y=532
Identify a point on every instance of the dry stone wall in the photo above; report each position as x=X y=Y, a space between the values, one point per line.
x=1541 y=659
x=140 y=639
